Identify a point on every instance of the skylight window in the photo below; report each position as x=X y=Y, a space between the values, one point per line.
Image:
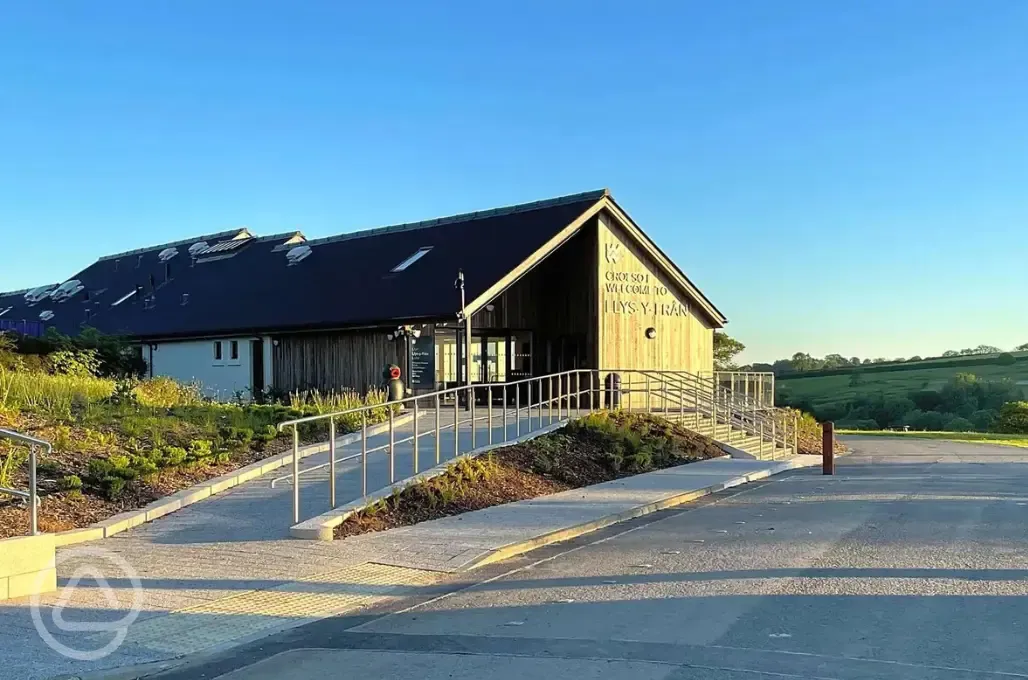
x=421 y=252
x=4 y=311
x=124 y=297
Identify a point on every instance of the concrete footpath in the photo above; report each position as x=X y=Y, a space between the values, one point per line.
x=209 y=595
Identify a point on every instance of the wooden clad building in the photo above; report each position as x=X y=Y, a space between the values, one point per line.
x=565 y=283
x=598 y=295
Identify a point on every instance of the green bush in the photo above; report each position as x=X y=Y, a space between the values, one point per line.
x=199 y=451
x=99 y=468
x=173 y=456
x=1013 y=418
x=143 y=467
x=984 y=419
x=112 y=487
x=931 y=421
x=70 y=483
x=1006 y=359
x=164 y=392
x=240 y=435
x=77 y=362
x=48 y=468
x=859 y=424
x=959 y=424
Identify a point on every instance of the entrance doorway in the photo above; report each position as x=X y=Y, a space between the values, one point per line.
x=497 y=355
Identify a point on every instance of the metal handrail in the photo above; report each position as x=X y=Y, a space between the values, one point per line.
x=741 y=411
x=33 y=493
x=563 y=392
x=550 y=385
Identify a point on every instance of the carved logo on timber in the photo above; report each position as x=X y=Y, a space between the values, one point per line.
x=612 y=251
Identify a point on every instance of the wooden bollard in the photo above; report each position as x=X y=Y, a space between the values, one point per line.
x=828 y=449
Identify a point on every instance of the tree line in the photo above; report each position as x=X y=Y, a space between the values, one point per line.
x=727 y=348
x=966 y=403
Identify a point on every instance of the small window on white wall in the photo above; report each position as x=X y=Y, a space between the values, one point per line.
x=233 y=352
x=217 y=350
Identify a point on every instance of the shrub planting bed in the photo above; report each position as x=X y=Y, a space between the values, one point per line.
x=121 y=443
x=599 y=448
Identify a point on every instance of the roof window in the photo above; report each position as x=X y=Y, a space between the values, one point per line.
x=4 y=311
x=297 y=253
x=124 y=297
x=421 y=252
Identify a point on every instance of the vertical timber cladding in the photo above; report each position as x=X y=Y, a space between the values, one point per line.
x=556 y=301
x=634 y=295
x=334 y=361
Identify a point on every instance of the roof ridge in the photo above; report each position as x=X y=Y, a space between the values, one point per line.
x=596 y=194
x=284 y=234
x=172 y=244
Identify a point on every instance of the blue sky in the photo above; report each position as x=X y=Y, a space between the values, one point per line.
x=837 y=177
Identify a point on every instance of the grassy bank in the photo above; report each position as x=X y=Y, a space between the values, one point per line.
x=120 y=444
x=842 y=389
x=1018 y=440
x=599 y=448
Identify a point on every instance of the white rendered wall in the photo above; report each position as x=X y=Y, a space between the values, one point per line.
x=194 y=361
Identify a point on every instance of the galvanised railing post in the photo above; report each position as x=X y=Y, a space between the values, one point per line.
x=296 y=475
x=649 y=396
x=696 y=404
x=578 y=385
x=517 y=408
x=471 y=401
x=713 y=406
x=730 y=414
x=795 y=434
x=761 y=435
x=456 y=423
x=392 y=446
x=504 y=397
x=774 y=434
x=416 y=434
x=681 y=401
x=549 y=400
x=33 y=493
x=540 y=406
x=438 y=431
x=489 y=411
x=332 y=461
x=364 y=454
x=560 y=397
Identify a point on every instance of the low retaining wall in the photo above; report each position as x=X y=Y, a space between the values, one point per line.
x=27 y=566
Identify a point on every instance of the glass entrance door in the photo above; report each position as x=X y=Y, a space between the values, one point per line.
x=494 y=358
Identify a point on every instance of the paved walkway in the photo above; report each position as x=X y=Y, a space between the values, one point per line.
x=225 y=568
x=909 y=564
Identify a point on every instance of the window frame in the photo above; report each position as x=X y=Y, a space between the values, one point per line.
x=411 y=259
x=219 y=352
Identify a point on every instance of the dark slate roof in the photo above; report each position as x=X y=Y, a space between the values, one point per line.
x=345 y=281
x=103 y=283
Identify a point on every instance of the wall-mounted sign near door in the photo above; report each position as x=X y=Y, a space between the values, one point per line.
x=422 y=368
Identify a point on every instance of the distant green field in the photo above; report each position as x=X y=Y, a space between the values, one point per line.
x=1019 y=440
x=831 y=389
